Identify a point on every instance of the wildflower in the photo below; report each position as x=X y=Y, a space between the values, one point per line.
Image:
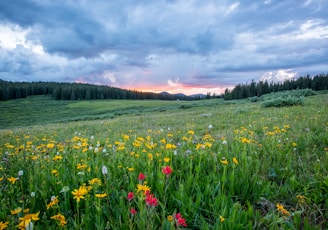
x=282 y=210
x=180 y=221
x=60 y=218
x=222 y=219
x=167 y=170
x=54 y=201
x=130 y=196
x=301 y=199
x=144 y=188
x=151 y=201
x=81 y=166
x=27 y=219
x=102 y=195
x=57 y=158
x=1 y=178
x=224 y=142
x=170 y=218
x=55 y=172
x=65 y=189
x=104 y=170
x=12 y=180
x=133 y=211
x=210 y=126
x=20 y=173
x=166 y=159
x=131 y=169
x=235 y=160
x=224 y=161
x=16 y=211
x=3 y=225
x=32 y=194
x=141 y=177
x=95 y=181
x=79 y=193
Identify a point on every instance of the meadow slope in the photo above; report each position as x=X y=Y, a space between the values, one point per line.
x=163 y=165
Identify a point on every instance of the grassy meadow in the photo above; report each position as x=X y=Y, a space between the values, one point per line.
x=212 y=164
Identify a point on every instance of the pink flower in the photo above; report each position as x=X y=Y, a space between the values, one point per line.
x=133 y=211
x=141 y=176
x=130 y=196
x=167 y=170
x=180 y=221
x=151 y=200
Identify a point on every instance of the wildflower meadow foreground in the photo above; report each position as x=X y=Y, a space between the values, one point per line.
x=234 y=166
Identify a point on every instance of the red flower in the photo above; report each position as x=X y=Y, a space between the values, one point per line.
x=180 y=221
x=141 y=176
x=151 y=200
x=133 y=211
x=167 y=170
x=130 y=196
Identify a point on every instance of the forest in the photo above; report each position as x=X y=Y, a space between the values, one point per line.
x=78 y=91
x=256 y=89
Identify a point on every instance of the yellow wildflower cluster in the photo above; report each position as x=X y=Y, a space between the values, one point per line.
x=281 y=209
x=27 y=219
x=54 y=201
x=61 y=218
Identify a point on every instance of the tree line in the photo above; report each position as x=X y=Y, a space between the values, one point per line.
x=76 y=91
x=256 y=89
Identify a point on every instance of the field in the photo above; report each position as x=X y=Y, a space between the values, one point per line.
x=209 y=164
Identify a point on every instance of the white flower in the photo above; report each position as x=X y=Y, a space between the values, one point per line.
x=20 y=173
x=104 y=150
x=104 y=170
x=32 y=194
x=52 y=198
x=224 y=142
x=96 y=150
x=210 y=126
x=29 y=226
x=90 y=148
x=64 y=189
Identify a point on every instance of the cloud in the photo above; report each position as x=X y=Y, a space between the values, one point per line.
x=177 y=44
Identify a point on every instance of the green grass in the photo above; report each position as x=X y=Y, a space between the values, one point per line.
x=42 y=110
x=235 y=165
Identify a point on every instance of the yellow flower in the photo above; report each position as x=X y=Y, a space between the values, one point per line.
x=60 y=218
x=50 y=145
x=27 y=219
x=3 y=225
x=235 y=160
x=103 y=195
x=222 y=219
x=81 y=166
x=12 y=180
x=282 y=210
x=294 y=144
x=95 y=181
x=301 y=199
x=131 y=169
x=166 y=159
x=53 y=202
x=143 y=188
x=57 y=158
x=191 y=132
x=16 y=211
x=80 y=193
x=170 y=218
x=224 y=161
x=1 y=178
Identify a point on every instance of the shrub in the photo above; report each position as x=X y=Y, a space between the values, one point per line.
x=283 y=102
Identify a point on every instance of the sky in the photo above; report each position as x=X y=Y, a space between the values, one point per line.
x=177 y=46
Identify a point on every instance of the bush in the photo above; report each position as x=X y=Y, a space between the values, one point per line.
x=283 y=102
